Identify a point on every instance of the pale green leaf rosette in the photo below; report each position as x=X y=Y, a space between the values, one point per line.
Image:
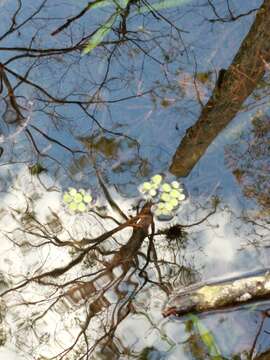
x=166 y=187
x=160 y=209
x=167 y=197
x=72 y=191
x=177 y=194
x=77 y=201
x=181 y=197
x=154 y=186
x=149 y=189
x=174 y=193
x=73 y=206
x=81 y=207
x=168 y=206
x=146 y=186
x=152 y=192
x=160 y=205
x=171 y=197
x=175 y=185
x=87 y=199
x=67 y=198
x=78 y=198
x=162 y=212
x=174 y=203
x=156 y=179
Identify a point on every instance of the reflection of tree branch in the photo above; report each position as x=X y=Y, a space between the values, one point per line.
x=231 y=17
x=159 y=15
x=117 y=133
x=117 y=274
x=179 y=226
x=124 y=258
x=252 y=221
x=253 y=347
x=108 y=196
x=77 y=102
x=29 y=134
x=147 y=53
x=239 y=81
x=13 y=26
x=11 y=95
x=137 y=222
x=49 y=138
x=75 y=17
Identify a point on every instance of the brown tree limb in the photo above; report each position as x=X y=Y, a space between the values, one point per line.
x=219 y=295
x=11 y=95
x=240 y=80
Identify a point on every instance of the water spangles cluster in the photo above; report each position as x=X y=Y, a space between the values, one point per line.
x=166 y=197
x=78 y=200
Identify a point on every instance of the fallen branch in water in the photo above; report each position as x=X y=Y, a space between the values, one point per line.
x=215 y=296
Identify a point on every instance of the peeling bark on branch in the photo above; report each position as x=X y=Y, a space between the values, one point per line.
x=241 y=78
x=216 y=296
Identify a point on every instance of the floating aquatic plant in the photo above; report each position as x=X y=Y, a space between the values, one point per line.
x=149 y=189
x=167 y=197
x=78 y=200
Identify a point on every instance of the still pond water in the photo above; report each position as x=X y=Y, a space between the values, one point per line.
x=95 y=100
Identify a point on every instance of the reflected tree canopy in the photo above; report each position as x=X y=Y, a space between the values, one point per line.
x=94 y=97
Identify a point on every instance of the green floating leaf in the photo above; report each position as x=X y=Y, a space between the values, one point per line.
x=169 y=207
x=165 y=197
x=173 y=202
x=146 y=186
x=67 y=198
x=166 y=187
x=100 y=34
x=177 y=194
x=175 y=184
x=206 y=337
x=181 y=197
x=156 y=179
x=87 y=199
x=72 y=191
x=152 y=192
x=81 y=207
x=73 y=206
x=78 y=198
x=174 y=193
